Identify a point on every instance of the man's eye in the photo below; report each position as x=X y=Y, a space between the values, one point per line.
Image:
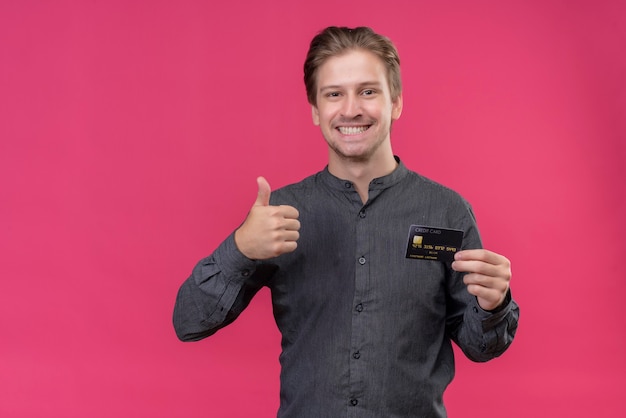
x=333 y=94
x=368 y=92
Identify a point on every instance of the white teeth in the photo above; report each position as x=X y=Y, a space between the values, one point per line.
x=352 y=130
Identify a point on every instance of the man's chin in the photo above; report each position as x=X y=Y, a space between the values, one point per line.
x=352 y=155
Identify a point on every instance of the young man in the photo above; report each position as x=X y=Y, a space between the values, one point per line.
x=366 y=326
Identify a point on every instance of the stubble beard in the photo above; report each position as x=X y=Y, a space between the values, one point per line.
x=360 y=157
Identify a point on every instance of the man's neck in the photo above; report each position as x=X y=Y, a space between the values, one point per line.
x=361 y=173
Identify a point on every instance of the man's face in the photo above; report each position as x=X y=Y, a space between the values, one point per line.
x=354 y=108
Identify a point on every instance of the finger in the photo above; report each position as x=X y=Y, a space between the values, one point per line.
x=288 y=246
x=482 y=291
x=481 y=255
x=489 y=282
x=289 y=236
x=289 y=212
x=263 y=197
x=291 y=225
x=473 y=266
x=488 y=299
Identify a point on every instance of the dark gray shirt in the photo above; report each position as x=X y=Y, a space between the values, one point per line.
x=365 y=331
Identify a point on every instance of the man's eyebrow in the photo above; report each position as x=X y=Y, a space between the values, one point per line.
x=360 y=85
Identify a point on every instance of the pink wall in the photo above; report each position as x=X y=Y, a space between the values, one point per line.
x=131 y=134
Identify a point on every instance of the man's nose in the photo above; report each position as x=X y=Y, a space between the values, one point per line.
x=351 y=106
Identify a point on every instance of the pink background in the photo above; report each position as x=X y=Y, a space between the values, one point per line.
x=131 y=134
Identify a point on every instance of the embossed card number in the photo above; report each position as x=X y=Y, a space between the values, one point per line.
x=433 y=243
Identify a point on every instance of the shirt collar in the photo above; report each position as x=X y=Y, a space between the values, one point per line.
x=378 y=183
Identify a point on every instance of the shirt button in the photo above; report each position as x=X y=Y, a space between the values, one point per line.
x=347 y=184
x=245 y=273
x=361 y=260
x=356 y=355
x=359 y=307
x=475 y=309
x=354 y=402
x=362 y=214
x=483 y=347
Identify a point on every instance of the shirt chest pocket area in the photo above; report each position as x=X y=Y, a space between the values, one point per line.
x=413 y=284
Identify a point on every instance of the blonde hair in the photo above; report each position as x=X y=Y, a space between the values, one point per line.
x=334 y=41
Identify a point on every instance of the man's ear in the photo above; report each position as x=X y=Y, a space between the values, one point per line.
x=396 y=108
x=315 y=114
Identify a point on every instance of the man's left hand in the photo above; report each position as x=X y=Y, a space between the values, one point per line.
x=488 y=276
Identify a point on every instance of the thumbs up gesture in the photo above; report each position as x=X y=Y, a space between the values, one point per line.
x=268 y=231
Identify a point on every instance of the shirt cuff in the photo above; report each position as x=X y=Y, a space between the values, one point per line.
x=503 y=305
x=491 y=318
x=232 y=262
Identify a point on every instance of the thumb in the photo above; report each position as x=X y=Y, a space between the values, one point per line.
x=263 y=198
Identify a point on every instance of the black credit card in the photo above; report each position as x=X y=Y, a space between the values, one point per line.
x=433 y=243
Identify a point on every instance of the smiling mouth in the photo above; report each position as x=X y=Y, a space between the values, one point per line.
x=352 y=130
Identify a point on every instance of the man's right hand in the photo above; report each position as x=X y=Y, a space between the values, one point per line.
x=268 y=231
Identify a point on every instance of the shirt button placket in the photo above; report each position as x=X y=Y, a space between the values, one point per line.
x=358 y=363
